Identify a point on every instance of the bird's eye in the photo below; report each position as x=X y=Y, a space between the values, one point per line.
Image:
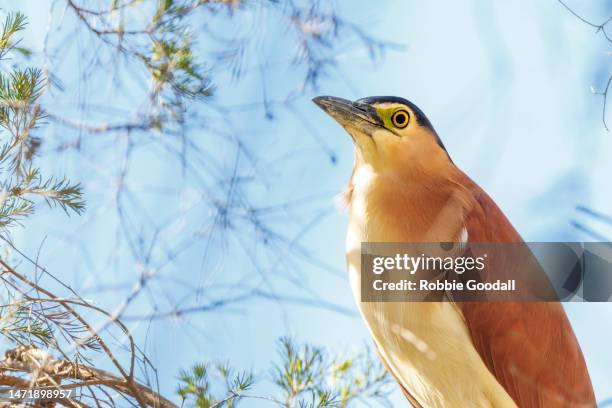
x=400 y=119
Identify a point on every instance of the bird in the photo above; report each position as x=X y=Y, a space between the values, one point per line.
x=405 y=187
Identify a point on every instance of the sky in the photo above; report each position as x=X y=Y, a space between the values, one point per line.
x=507 y=85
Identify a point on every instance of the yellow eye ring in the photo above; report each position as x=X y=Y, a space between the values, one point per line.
x=400 y=119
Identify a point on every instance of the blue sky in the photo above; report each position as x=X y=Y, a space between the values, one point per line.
x=506 y=85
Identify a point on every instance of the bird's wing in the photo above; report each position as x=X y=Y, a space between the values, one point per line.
x=529 y=347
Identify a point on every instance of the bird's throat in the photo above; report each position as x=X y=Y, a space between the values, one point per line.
x=391 y=209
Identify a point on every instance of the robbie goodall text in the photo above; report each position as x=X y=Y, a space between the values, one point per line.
x=425 y=285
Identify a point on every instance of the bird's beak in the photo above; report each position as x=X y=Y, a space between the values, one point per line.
x=356 y=115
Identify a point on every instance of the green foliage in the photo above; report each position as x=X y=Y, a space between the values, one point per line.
x=13 y=23
x=195 y=385
x=19 y=325
x=22 y=320
x=172 y=64
x=20 y=112
x=300 y=371
x=170 y=60
x=306 y=377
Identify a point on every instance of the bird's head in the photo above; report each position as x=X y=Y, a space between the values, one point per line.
x=391 y=134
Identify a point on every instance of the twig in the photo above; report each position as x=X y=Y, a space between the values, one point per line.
x=63 y=369
x=599 y=28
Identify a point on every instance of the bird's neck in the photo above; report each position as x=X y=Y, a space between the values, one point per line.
x=406 y=206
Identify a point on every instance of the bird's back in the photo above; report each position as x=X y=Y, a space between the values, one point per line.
x=530 y=347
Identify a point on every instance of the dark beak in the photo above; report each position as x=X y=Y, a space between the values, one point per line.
x=357 y=115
